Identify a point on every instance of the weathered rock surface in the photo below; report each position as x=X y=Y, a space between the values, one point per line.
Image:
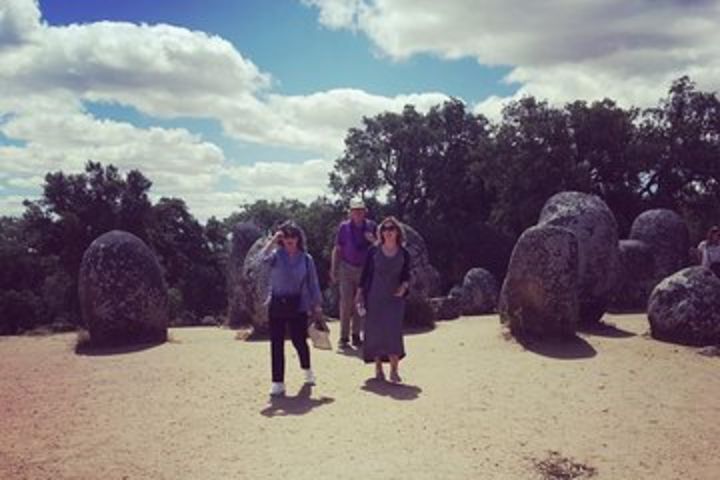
x=123 y=296
x=539 y=295
x=446 y=308
x=244 y=235
x=685 y=308
x=478 y=293
x=637 y=273
x=595 y=228
x=667 y=235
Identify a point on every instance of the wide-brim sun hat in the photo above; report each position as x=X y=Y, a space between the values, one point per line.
x=357 y=204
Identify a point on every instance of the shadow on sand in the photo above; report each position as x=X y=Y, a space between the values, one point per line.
x=572 y=348
x=300 y=404
x=603 y=329
x=397 y=391
x=83 y=346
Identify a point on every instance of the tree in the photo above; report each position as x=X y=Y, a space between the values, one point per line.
x=681 y=152
x=605 y=142
x=533 y=159
x=390 y=152
x=77 y=208
x=192 y=264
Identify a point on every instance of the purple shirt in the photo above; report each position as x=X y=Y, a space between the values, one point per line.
x=351 y=241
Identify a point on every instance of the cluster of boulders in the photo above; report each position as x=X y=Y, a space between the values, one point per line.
x=658 y=247
x=123 y=296
x=568 y=269
x=562 y=271
x=683 y=304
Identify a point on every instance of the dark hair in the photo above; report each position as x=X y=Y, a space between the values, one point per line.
x=398 y=226
x=712 y=231
x=291 y=229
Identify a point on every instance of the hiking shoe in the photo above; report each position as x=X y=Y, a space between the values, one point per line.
x=277 y=389
x=309 y=377
x=357 y=341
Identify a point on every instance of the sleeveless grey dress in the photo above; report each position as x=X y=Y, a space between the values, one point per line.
x=385 y=311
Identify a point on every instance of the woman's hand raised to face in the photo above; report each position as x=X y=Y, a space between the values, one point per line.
x=402 y=289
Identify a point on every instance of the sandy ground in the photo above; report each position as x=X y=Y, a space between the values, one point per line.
x=474 y=406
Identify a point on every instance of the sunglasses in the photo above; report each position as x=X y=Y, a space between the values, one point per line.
x=388 y=228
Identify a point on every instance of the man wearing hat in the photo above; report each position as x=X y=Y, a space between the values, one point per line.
x=353 y=240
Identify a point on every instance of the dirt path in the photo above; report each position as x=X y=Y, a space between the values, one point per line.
x=474 y=405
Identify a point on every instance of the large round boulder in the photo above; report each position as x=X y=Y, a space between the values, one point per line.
x=244 y=235
x=123 y=296
x=478 y=293
x=685 y=308
x=637 y=270
x=539 y=295
x=595 y=228
x=667 y=234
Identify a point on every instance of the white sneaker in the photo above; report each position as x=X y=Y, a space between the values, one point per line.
x=277 y=389
x=309 y=377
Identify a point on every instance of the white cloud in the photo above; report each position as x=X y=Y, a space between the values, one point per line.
x=303 y=181
x=320 y=121
x=19 y=21
x=560 y=50
x=66 y=141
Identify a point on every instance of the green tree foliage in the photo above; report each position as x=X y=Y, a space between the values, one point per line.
x=681 y=150
x=75 y=209
x=430 y=167
x=193 y=263
x=461 y=180
x=468 y=185
x=33 y=288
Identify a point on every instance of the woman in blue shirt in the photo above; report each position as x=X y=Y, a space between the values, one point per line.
x=294 y=295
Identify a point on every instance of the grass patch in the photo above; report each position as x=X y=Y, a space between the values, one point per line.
x=557 y=467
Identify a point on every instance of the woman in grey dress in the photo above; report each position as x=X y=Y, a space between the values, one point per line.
x=382 y=292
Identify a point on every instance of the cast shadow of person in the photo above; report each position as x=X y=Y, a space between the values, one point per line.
x=300 y=404
x=397 y=391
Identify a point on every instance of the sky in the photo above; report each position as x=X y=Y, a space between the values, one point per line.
x=224 y=102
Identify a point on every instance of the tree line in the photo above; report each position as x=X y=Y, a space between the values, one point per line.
x=468 y=185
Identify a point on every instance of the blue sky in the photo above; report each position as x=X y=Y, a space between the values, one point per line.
x=283 y=37
x=222 y=102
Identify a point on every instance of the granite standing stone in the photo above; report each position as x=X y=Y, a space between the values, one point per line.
x=595 y=228
x=244 y=235
x=123 y=296
x=667 y=235
x=539 y=295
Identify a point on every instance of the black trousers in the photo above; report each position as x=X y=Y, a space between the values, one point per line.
x=715 y=267
x=298 y=334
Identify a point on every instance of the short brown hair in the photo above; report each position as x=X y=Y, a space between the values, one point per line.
x=398 y=226
x=712 y=231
